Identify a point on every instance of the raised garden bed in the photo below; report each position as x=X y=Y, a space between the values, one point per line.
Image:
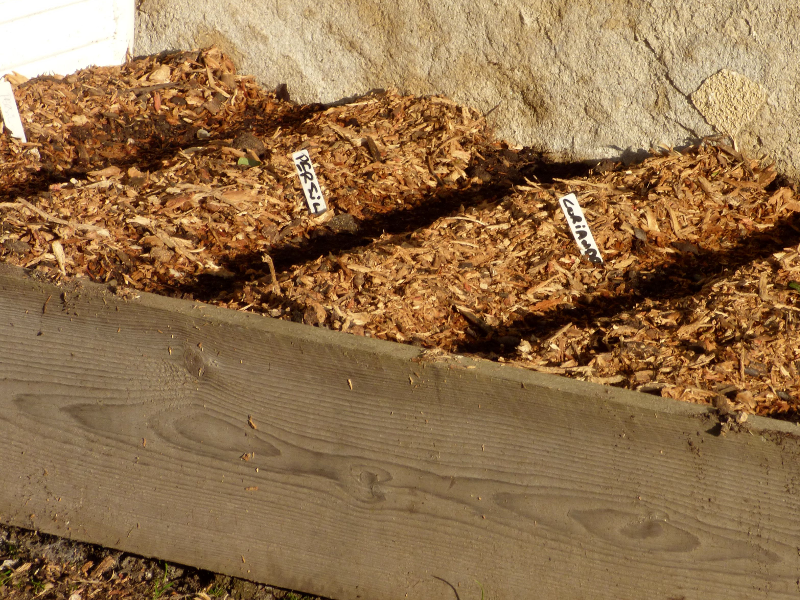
x=352 y=468
x=357 y=468
x=438 y=235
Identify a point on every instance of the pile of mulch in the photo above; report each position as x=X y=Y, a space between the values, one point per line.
x=172 y=174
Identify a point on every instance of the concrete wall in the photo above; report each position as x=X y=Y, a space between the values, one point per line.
x=584 y=78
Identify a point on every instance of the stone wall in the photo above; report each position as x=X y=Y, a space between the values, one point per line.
x=577 y=78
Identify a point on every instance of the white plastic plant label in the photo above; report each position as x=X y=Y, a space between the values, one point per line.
x=309 y=182
x=580 y=228
x=8 y=106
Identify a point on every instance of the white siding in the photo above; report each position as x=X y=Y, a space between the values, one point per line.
x=61 y=36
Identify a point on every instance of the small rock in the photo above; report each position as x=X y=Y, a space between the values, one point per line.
x=754 y=370
x=161 y=255
x=640 y=234
x=343 y=222
x=605 y=165
x=314 y=314
x=17 y=246
x=247 y=141
x=686 y=247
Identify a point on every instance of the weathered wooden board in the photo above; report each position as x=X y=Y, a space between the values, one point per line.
x=374 y=473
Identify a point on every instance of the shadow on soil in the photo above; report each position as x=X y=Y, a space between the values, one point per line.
x=398 y=223
x=155 y=141
x=680 y=277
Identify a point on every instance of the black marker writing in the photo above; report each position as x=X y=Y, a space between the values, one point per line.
x=580 y=228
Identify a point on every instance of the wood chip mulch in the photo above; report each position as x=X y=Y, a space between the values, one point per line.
x=172 y=174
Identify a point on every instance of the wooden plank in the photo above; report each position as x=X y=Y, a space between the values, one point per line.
x=124 y=423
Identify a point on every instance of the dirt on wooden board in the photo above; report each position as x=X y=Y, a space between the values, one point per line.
x=173 y=174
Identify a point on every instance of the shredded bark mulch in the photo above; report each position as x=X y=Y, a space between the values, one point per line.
x=172 y=174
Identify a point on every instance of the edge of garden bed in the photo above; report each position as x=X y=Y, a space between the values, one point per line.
x=357 y=468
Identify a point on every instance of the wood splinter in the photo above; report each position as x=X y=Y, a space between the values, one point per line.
x=276 y=288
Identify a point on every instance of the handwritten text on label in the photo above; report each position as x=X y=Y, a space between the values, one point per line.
x=580 y=228
x=309 y=182
x=8 y=106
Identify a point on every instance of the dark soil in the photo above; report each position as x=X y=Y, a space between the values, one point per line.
x=41 y=566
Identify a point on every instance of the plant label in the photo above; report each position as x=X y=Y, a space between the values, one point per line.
x=580 y=228
x=8 y=107
x=309 y=182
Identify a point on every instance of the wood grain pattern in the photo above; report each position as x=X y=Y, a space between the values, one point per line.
x=126 y=423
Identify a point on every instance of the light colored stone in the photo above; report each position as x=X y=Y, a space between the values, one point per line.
x=576 y=78
x=728 y=101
